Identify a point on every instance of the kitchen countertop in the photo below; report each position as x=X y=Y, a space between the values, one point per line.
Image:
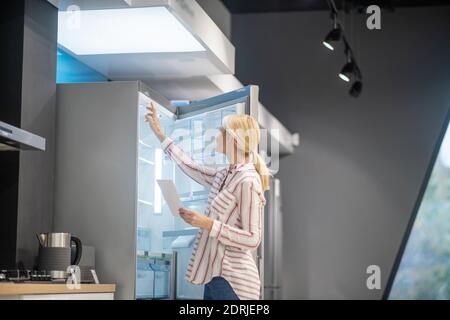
x=10 y=288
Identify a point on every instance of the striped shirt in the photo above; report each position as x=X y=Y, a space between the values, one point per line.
x=235 y=203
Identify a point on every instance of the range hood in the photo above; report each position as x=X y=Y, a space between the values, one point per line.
x=144 y=39
x=14 y=139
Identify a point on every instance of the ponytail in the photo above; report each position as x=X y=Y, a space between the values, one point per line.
x=263 y=172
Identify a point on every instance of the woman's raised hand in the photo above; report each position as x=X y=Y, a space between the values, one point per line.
x=151 y=116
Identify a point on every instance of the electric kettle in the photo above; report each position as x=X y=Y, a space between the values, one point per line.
x=56 y=254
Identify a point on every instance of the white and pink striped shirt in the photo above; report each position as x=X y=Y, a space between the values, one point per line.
x=236 y=203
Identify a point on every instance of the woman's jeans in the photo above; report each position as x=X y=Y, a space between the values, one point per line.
x=219 y=289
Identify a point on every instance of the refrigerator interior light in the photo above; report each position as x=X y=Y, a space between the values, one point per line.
x=124 y=31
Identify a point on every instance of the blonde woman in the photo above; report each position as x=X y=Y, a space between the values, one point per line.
x=230 y=229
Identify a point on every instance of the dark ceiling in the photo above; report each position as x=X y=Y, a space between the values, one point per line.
x=253 y=6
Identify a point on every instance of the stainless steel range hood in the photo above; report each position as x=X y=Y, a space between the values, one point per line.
x=14 y=139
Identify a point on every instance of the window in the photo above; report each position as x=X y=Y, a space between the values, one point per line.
x=424 y=271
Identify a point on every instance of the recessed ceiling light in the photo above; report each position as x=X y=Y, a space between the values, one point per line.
x=121 y=31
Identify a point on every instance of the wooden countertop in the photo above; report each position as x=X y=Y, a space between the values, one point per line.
x=10 y=288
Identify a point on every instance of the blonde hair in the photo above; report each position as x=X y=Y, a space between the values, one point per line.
x=244 y=130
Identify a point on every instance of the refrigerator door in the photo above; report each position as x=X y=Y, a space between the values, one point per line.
x=153 y=216
x=193 y=126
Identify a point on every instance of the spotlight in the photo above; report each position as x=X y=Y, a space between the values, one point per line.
x=348 y=71
x=356 y=89
x=332 y=37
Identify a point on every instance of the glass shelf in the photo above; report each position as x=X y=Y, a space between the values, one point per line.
x=145 y=202
x=145 y=161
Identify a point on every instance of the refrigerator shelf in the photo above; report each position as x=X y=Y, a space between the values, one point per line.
x=142 y=143
x=147 y=203
x=178 y=233
x=195 y=196
x=146 y=161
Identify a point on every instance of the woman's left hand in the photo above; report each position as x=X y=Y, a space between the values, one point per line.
x=196 y=219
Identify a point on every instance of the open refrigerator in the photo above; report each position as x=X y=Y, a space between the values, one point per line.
x=162 y=237
x=108 y=161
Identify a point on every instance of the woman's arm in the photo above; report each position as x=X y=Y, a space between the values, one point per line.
x=201 y=174
x=250 y=206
